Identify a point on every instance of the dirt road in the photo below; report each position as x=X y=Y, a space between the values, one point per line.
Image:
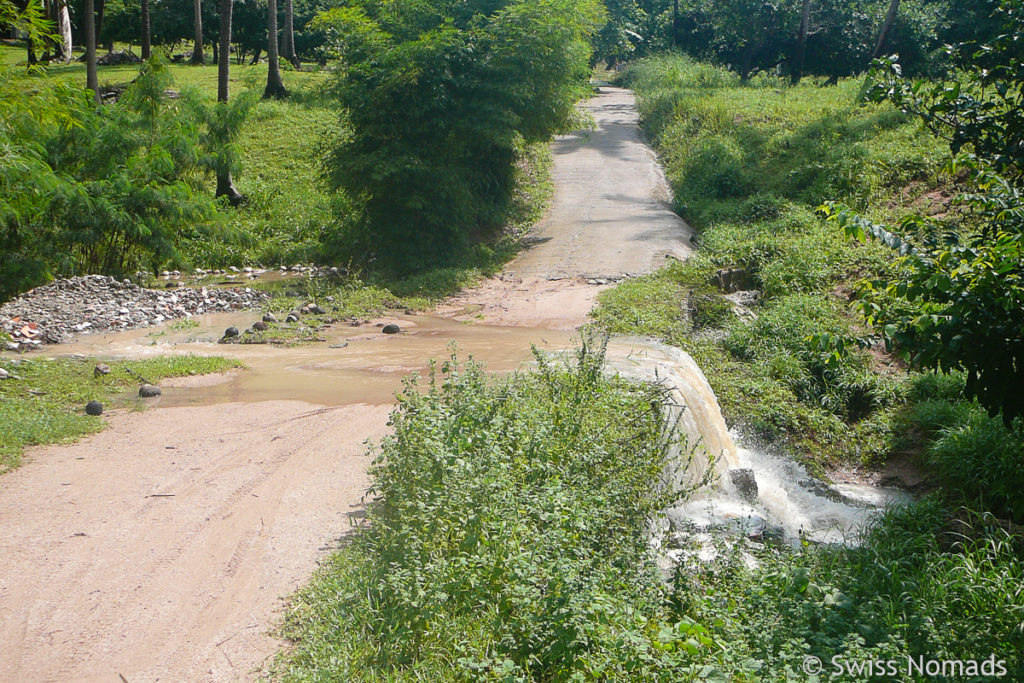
x=609 y=218
x=161 y=548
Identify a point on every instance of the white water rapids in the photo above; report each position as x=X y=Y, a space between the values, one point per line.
x=786 y=503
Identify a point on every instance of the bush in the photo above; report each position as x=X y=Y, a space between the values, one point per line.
x=437 y=100
x=980 y=460
x=508 y=540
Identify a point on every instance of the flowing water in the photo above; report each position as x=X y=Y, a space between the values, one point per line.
x=748 y=490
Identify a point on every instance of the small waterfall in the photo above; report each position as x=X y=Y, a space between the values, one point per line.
x=752 y=492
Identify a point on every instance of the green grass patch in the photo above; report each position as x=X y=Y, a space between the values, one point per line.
x=507 y=541
x=46 y=402
x=749 y=162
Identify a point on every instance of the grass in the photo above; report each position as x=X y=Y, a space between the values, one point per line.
x=923 y=585
x=748 y=164
x=46 y=403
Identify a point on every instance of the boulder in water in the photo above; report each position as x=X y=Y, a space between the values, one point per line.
x=391 y=328
x=149 y=391
x=746 y=485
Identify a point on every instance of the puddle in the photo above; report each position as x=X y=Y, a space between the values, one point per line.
x=368 y=368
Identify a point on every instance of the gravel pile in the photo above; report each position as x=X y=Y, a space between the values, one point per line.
x=53 y=313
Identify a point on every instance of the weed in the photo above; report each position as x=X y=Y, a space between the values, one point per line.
x=45 y=403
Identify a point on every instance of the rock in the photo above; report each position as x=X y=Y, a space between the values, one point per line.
x=11 y=346
x=93 y=408
x=149 y=391
x=746 y=485
x=391 y=328
x=100 y=370
x=339 y=346
x=318 y=310
x=269 y=318
x=733 y=280
x=260 y=326
x=4 y=374
x=231 y=332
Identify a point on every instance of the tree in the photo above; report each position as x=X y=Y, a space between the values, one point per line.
x=146 y=35
x=801 y=50
x=955 y=300
x=225 y=184
x=64 y=28
x=289 y=35
x=883 y=35
x=197 y=50
x=91 y=77
x=275 y=87
x=437 y=98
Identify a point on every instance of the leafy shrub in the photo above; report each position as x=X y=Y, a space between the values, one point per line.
x=108 y=189
x=914 y=588
x=508 y=540
x=437 y=98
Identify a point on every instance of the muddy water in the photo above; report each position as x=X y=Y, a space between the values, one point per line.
x=361 y=365
x=365 y=366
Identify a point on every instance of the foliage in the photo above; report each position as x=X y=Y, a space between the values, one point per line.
x=94 y=190
x=109 y=189
x=748 y=162
x=956 y=299
x=507 y=541
x=754 y=35
x=920 y=585
x=45 y=403
x=437 y=100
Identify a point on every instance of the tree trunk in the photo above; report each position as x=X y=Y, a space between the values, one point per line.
x=99 y=19
x=289 y=35
x=64 y=26
x=225 y=185
x=801 y=49
x=91 y=78
x=29 y=47
x=197 y=51
x=256 y=56
x=675 y=22
x=275 y=87
x=883 y=35
x=145 y=30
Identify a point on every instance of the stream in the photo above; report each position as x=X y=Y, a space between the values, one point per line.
x=749 y=491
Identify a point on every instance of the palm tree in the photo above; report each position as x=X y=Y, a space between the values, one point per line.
x=890 y=19
x=289 y=35
x=225 y=184
x=197 y=51
x=91 y=78
x=275 y=86
x=146 y=48
x=64 y=26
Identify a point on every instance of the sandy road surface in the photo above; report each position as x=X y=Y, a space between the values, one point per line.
x=161 y=548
